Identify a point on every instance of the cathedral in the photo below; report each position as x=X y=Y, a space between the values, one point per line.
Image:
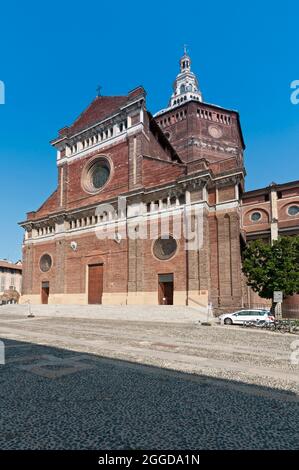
x=132 y=187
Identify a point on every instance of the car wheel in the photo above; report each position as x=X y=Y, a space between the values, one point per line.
x=228 y=321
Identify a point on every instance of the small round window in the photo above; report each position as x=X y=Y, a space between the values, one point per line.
x=256 y=216
x=96 y=175
x=45 y=263
x=293 y=210
x=165 y=248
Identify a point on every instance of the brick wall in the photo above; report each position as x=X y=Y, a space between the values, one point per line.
x=68 y=272
x=225 y=260
x=159 y=172
x=226 y=194
x=76 y=196
x=186 y=126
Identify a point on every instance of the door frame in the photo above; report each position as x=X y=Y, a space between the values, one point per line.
x=43 y=292
x=169 y=279
x=90 y=264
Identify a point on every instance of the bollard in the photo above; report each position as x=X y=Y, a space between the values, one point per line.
x=30 y=314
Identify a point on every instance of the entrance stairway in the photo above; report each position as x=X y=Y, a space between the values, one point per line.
x=137 y=313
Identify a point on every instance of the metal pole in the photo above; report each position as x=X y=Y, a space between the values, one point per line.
x=30 y=314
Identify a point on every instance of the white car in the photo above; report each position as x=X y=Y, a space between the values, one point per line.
x=241 y=316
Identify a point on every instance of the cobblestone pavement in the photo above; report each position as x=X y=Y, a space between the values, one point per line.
x=94 y=384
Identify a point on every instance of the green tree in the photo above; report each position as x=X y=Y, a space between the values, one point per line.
x=269 y=268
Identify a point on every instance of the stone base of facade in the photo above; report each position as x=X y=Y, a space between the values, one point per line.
x=142 y=298
x=198 y=298
x=116 y=298
x=194 y=299
x=180 y=298
x=56 y=299
x=33 y=299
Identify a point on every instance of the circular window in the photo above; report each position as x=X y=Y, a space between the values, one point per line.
x=99 y=175
x=293 y=210
x=215 y=132
x=96 y=175
x=255 y=216
x=165 y=248
x=45 y=263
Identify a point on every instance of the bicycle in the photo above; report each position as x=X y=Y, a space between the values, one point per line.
x=285 y=326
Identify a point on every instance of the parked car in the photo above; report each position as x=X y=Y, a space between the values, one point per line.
x=241 y=316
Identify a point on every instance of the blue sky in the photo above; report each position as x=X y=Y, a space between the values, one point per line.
x=53 y=55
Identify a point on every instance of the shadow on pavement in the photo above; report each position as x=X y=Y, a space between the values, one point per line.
x=52 y=398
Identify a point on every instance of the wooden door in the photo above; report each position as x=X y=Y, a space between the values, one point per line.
x=95 y=283
x=45 y=292
x=168 y=292
x=165 y=289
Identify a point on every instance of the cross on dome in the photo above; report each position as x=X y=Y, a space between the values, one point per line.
x=185 y=61
x=99 y=88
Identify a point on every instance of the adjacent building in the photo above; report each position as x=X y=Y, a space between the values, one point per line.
x=10 y=281
x=267 y=213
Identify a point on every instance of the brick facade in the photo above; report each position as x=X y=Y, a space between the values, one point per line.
x=185 y=163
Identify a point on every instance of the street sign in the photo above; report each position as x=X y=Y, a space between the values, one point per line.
x=277 y=296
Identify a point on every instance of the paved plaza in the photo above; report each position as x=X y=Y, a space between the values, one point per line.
x=82 y=382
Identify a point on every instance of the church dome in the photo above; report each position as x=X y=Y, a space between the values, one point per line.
x=185 y=87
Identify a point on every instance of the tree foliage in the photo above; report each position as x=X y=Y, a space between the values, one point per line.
x=272 y=268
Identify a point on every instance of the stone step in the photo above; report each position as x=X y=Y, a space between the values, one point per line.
x=165 y=313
